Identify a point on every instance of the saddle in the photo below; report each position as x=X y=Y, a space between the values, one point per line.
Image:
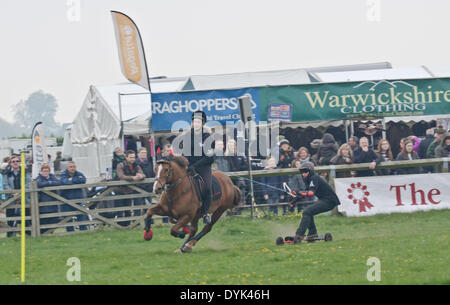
x=200 y=189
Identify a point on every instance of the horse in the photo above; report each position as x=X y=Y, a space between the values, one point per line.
x=180 y=201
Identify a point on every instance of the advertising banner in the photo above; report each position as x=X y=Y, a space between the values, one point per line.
x=219 y=105
x=339 y=101
x=39 y=150
x=131 y=50
x=365 y=196
x=311 y=102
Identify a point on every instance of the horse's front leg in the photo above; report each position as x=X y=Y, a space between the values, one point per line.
x=156 y=210
x=182 y=221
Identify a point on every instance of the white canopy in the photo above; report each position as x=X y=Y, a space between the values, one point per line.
x=248 y=79
x=379 y=74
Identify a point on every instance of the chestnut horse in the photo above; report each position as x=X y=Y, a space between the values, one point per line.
x=180 y=202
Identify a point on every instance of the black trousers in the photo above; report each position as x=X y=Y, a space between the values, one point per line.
x=206 y=174
x=307 y=222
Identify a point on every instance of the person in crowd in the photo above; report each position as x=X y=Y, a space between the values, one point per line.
x=327 y=200
x=4 y=168
x=439 y=132
x=237 y=162
x=327 y=150
x=127 y=170
x=402 y=144
x=5 y=165
x=443 y=149
x=70 y=177
x=364 y=154
x=296 y=182
x=47 y=179
x=416 y=142
x=167 y=151
x=57 y=162
x=286 y=155
x=303 y=155
x=146 y=164
x=384 y=154
x=423 y=146
x=221 y=162
x=353 y=141
x=314 y=149
x=343 y=156
x=270 y=184
x=118 y=157
x=12 y=181
x=408 y=154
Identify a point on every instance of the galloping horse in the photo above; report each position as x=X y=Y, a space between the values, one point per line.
x=179 y=200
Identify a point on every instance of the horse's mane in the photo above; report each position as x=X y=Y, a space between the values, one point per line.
x=181 y=161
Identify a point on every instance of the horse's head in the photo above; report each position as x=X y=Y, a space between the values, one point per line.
x=164 y=175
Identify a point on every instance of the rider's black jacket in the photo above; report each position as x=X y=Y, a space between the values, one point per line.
x=321 y=188
x=198 y=148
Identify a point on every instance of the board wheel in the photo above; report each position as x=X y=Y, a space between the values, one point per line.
x=328 y=237
x=279 y=241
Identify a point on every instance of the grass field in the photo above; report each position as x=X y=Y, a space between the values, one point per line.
x=412 y=249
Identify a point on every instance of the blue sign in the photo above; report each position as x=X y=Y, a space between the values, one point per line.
x=219 y=105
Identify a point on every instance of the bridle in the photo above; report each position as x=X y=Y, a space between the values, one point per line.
x=168 y=188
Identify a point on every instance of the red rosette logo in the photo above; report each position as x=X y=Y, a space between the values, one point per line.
x=359 y=195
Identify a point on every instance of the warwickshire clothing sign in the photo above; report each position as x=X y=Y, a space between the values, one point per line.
x=312 y=102
x=383 y=98
x=365 y=196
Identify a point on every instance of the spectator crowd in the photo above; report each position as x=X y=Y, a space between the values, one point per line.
x=136 y=164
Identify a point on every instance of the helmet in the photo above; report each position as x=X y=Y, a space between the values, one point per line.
x=307 y=167
x=199 y=115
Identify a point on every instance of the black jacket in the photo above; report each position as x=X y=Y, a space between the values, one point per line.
x=147 y=167
x=237 y=163
x=423 y=146
x=321 y=188
x=362 y=156
x=197 y=149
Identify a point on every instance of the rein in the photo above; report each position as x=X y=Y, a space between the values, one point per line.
x=169 y=188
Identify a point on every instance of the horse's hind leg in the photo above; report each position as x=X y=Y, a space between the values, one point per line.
x=214 y=218
x=194 y=229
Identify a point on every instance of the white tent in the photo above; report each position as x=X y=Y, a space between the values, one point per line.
x=95 y=131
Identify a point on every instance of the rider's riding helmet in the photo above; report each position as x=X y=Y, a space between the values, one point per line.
x=307 y=167
x=199 y=115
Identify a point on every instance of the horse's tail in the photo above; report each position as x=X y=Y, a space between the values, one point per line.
x=237 y=196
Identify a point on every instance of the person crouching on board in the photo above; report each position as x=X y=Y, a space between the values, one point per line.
x=327 y=200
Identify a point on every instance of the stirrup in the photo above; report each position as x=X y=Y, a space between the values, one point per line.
x=206 y=219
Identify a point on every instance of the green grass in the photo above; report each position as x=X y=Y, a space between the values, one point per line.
x=412 y=248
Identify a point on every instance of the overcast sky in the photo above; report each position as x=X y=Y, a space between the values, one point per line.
x=46 y=45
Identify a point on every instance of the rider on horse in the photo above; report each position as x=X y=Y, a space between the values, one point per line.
x=200 y=157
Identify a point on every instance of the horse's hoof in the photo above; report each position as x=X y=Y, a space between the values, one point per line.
x=187 y=248
x=148 y=235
